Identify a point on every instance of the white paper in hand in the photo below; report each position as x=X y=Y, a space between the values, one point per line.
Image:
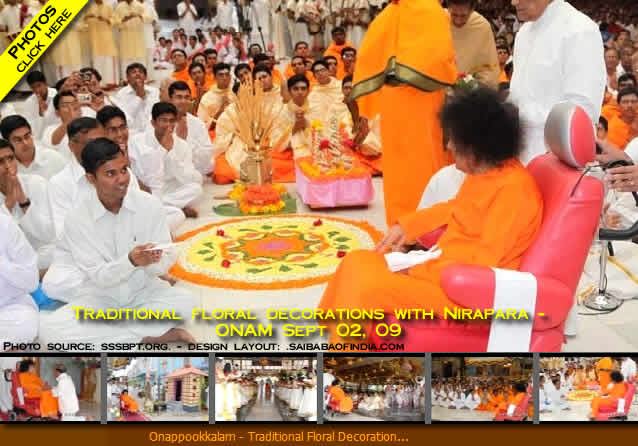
x=164 y=246
x=398 y=261
x=510 y=410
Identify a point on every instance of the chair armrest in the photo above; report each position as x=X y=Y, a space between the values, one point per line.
x=553 y=298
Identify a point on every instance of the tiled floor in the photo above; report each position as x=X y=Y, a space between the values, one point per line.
x=445 y=414
x=579 y=411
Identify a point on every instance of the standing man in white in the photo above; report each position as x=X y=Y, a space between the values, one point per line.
x=187 y=14
x=66 y=393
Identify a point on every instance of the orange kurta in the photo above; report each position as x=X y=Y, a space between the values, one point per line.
x=610 y=110
x=290 y=72
x=491 y=222
x=617 y=391
x=129 y=403
x=181 y=75
x=604 y=368
x=503 y=77
x=335 y=51
x=412 y=138
x=345 y=402
x=277 y=78
x=32 y=385
x=283 y=168
x=515 y=400
x=619 y=132
x=208 y=83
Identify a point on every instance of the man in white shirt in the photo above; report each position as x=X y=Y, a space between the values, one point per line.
x=180 y=184
x=10 y=18
x=628 y=368
x=65 y=392
x=38 y=108
x=137 y=99
x=43 y=161
x=187 y=14
x=7 y=365
x=67 y=109
x=111 y=237
x=18 y=278
x=558 y=56
x=190 y=128
x=227 y=15
x=25 y=198
x=64 y=281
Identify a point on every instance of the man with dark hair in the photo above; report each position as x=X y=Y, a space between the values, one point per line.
x=178 y=184
x=332 y=65
x=327 y=90
x=65 y=392
x=24 y=196
x=503 y=53
x=111 y=237
x=67 y=109
x=242 y=72
x=38 y=108
x=300 y=50
x=349 y=59
x=43 y=161
x=180 y=64
x=339 y=42
x=610 y=395
x=137 y=98
x=473 y=42
x=623 y=127
x=211 y=60
x=199 y=84
x=191 y=129
x=215 y=101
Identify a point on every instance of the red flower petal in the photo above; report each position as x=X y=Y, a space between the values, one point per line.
x=317 y=223
x=324 y=144
x=226 y=263
x=341 y=254
x=220 y=232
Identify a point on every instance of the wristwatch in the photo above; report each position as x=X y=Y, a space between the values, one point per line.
x=25 y=204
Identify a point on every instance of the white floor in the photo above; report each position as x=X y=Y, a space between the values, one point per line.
x=579 y=411
x=445 y=414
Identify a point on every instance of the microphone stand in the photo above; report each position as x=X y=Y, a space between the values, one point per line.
x=261 y=34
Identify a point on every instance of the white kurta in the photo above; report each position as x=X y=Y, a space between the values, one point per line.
x=260 y=17
x=149 y=37
x=18 y=277
x=64 y=281
x=199 y=142
x=37 y=221
x=99 y=243
x=227 y=15
x=628 y=368
x=66 y=394
x=46 y=163
x=189 y=20
x=6 y=109
x=6 y=400
x=31 y=111
x=137 y=110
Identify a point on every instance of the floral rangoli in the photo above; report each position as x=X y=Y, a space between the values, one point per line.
x=581 y=395
x=275 y=252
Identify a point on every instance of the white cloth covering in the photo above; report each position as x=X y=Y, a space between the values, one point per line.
x=189 y=19
x=46 y=163
x=6 y=401
x=31 y=110
x=99 y=243
x=199 y=142
x=18 y=277
x=136 y=109
x=227 y=15
x=37 y=221
x=66 y=394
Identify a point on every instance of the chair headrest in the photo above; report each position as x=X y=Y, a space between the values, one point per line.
x=569 y=134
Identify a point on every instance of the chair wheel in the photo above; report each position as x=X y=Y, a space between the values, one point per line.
x=13 y=416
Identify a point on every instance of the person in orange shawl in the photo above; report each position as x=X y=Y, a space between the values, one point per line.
x=34 y=387
x=624 y=127
x=198 y=84
x=609 y=398
x=180 y=62
x=339 y=42
x=216 y=99
x=402 y=74
x=491 y=222
x=604 y=367
x=520 y=392
x=301 y=50
x=343 y=401
x=610 y=105
x=128 y=403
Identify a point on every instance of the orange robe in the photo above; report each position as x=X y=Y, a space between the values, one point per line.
x=617 y=391
x=604 y=368
x=610 y=110
x=32 y=385
x=182 y=75
x=207 y=85
x=283 y=168
x=412 y=138
x=335 y=51
x=503 y=77
x=491 y=222
x=345 y=402
x=129 y=403
x=290 y=72
x=515 y=400
x=277 y=78
x=619 y=132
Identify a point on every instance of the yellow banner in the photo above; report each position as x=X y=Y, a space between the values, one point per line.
x=25 y=50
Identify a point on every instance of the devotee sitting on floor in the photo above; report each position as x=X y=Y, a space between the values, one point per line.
x=110 y=237
x=18 y=278
x=177 y=183
x=332 y=65
x=38 y=108
x=180 y=64
x=327 y=90
x=339 y=401
x=491 y=222
x=67 y=109
x=349 y=59
x=269 y=60
x=137 y=98
x=127 y=403
x=503 y=53
x=211 y=60
x=300 y=50
x=34 y=388
x=622 y=127
x=616 y=389
x=611 y=107
x=24 y=197
x=473 y=42
x=191 y=129
x=65 y=392
x=198 y=84
x=242 y=73
x=229 y=149
x=32 y=160
x=336 y=46
x=215 y=101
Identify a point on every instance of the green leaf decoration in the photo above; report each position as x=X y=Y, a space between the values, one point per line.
x=204 y=251
x=245 y=230
x=342 y=247
x=342 y=239
x=210 y=259
x=309 y=265
x=284 y=268
x=256 y=270
x=266 y=227
x=332 y=233
x=289 y=227
x=209 y=245
x=231 y=209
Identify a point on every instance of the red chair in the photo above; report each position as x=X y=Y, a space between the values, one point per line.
x=571 y=214
x=610 y=412
x=23 y=408
x=520 y=413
